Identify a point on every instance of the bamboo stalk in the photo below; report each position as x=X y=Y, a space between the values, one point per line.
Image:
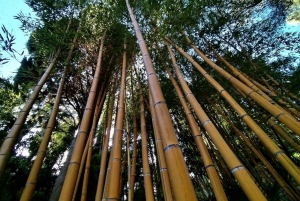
x=146 y=168
x=237 y=169
x=290 y=167
x=104 y=153
x=71 y=176
x=277 y=113
x=184 y=189
x=98 y=109
x=264 y=161
x=196 y=133
x=134 y=153
x=112 y=183
x=161 y=158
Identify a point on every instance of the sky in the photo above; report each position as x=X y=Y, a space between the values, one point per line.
x=9 y=9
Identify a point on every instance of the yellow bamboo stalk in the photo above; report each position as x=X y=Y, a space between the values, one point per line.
x=197 y=134
x=32 y=178
x=291 y=123
x=104 y=153
x=237 y=169
x=160 y=152
x=255 y=86
x=71 y=176
x=99 y=104
x=291 y=168
x=264 y=161
x=82 y=162
x=281 y=132
x=180 y=180
x=14 y=132
x=146 y=168
x=112 y=183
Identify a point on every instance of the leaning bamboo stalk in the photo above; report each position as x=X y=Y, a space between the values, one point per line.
x=82 y=162
x=33 y=176
x=183 y=190
x=14 y=132
x=103 y=162
x=196 y=133
x=260 y=89
x=99 y=105
x=239 y=171
x=291 y=123
x=112 y=183
x=290 y=167
x=161 y=158
x=71 y=176
x=281 y=132
x=264 y=161
x=146 y=168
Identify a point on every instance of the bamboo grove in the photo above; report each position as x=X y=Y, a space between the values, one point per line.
x=155 y=100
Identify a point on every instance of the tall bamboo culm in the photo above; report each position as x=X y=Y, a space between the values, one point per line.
x=71 y=176
x=283 y=117
x=104 y=152
x=134 y=151
x=236 y=167
x=197 y=135
x=164 y=175
x=112 y=183
x=98 y=109
x=14 y=132
x=184 y=189
x=32 y=178
x=146 y=168
x=291 y=168
x=264 y=161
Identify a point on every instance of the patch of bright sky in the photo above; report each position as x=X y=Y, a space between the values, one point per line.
x=9 y=9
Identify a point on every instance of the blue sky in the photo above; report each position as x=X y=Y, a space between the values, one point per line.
x=8 y=9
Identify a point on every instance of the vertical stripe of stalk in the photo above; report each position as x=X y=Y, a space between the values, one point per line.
x=72 y=173
x=179 y=176
x=237 y=169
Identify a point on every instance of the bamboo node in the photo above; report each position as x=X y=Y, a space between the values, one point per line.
x=237 y=168
x=209 y=166
x=220 y=92
x=244 y=115
x=171 y=146
x=159 y=102
x=278 y=152
x=74 y=163
x=8 y=137
x=197 y=135
x=230 y=78
x=205 y=122
x=163 y=169
x=277 y=116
